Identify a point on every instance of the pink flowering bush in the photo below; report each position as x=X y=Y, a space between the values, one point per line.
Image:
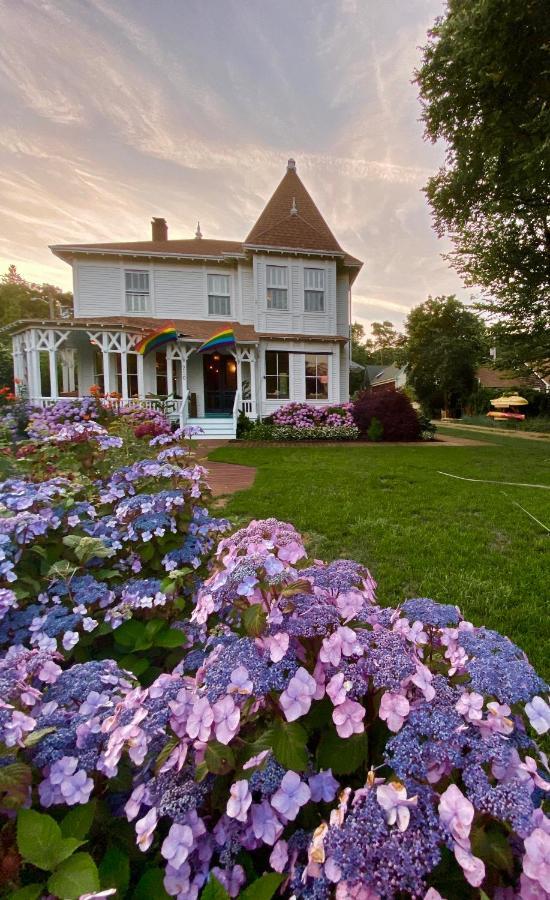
x=304 y=422
x=309 y=743
x=304 y=415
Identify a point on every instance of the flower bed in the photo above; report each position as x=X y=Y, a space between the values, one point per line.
x=303 y=422
x=263 y=724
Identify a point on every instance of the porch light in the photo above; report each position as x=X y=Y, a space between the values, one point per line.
x=232 y=366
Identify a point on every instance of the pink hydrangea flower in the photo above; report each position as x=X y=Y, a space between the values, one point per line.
x=536 y=862
x=348 y=718
x=278 y=645
x=394 y=709
x=145 y=828
x=538 y=712
x=393 y=799
x=470 y=705
x=279 y=856
x=240 y=682
x=178 y=845
x=227 y=716
x=457 y=813
x=265 y=823
x=336 y=690
x=200 y=719
x=296 y=699
x=239 y=801
x=290 y=796
x=473 y=868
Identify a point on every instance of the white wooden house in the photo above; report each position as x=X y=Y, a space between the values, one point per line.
x=285 y=290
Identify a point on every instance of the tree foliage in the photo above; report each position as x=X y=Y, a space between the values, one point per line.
x=445 y=344
x=20 y=299
x=485 y=89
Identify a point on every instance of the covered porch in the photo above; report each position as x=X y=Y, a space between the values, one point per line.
x=68 y=358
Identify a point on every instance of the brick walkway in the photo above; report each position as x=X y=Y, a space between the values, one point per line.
x=224 y=478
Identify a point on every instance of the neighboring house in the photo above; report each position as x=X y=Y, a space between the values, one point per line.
x=510 y=381
x=285 y=291
x=386 y=377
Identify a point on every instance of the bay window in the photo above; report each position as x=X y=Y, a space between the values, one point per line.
x=316 y=372
x=277 y=375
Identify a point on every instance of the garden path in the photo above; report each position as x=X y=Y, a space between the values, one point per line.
x=224 y=478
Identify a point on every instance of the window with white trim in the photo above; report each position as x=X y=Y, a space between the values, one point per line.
x=316 y=377
x=277 y=375
x=138 y=298
x=314 y=290
x=277 y=287
x=219 y=298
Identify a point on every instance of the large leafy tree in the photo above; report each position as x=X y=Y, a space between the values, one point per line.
x=485 y=89
x=445 y=344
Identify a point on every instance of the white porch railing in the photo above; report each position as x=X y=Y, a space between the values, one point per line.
x=247 y=407
x=171 y=407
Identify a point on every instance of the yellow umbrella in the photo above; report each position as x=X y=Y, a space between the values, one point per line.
x=513 y=400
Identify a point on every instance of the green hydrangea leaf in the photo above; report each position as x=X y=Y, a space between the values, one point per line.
x=38 y=838
x=342 y=755
x=263 y=888
x=214 y=890
x=288 y=740
x=78 y=821
x=114 y=871
x=75 y=876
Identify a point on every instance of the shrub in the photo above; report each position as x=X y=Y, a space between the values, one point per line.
x=393 y=410
x=375 y=431
x=265 y=431
x=309 y=739
x=304 y=415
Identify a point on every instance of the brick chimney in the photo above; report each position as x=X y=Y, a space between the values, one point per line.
x=159 y=230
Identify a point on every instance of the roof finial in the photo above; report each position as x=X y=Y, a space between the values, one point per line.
x=294 y=208
x=198 y=232
x=291 y=165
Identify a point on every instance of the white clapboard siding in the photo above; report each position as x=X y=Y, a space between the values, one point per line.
x=98 y=289
x=342 y=305
x=181 y=292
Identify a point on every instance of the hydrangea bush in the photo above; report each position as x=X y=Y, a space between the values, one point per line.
x=308 y=742
x=304 y=422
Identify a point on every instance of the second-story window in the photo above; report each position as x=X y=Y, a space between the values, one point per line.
x=138 y=299
x=277 y=287
x=314 y=290
x=219 y=299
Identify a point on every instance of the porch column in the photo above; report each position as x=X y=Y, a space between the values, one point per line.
x=124 y=366
x=253 y=409
x=54 y=393
x=68 y=380
x=106 y=364
x=169 y=370
x=140 y=377
x=239 y=360
x=33 y=367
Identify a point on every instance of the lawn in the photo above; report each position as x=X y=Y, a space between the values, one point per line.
x=420 y=533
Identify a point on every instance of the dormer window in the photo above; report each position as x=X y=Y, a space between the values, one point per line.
x=219 y=298
x=138 y=299
x=277 y=287
x=314 y=290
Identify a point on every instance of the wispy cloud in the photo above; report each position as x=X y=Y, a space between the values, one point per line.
x=114 y=112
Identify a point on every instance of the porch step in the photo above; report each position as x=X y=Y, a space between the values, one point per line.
x=215 y=427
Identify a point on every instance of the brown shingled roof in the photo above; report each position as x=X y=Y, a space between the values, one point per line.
x=191 y=247
x=289 y=221
x=279 y=227
x=193 y=329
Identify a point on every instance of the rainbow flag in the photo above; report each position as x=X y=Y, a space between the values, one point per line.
x=156 y=339
x=221 y=339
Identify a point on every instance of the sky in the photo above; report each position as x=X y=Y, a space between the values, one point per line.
x=114 y=111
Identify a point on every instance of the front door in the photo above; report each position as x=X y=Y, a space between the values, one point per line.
x=220 y=384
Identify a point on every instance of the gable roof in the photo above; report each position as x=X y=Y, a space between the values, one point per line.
x=291 y=219
x=383 y=374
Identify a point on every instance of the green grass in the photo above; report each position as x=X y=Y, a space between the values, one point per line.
x=420 y=533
